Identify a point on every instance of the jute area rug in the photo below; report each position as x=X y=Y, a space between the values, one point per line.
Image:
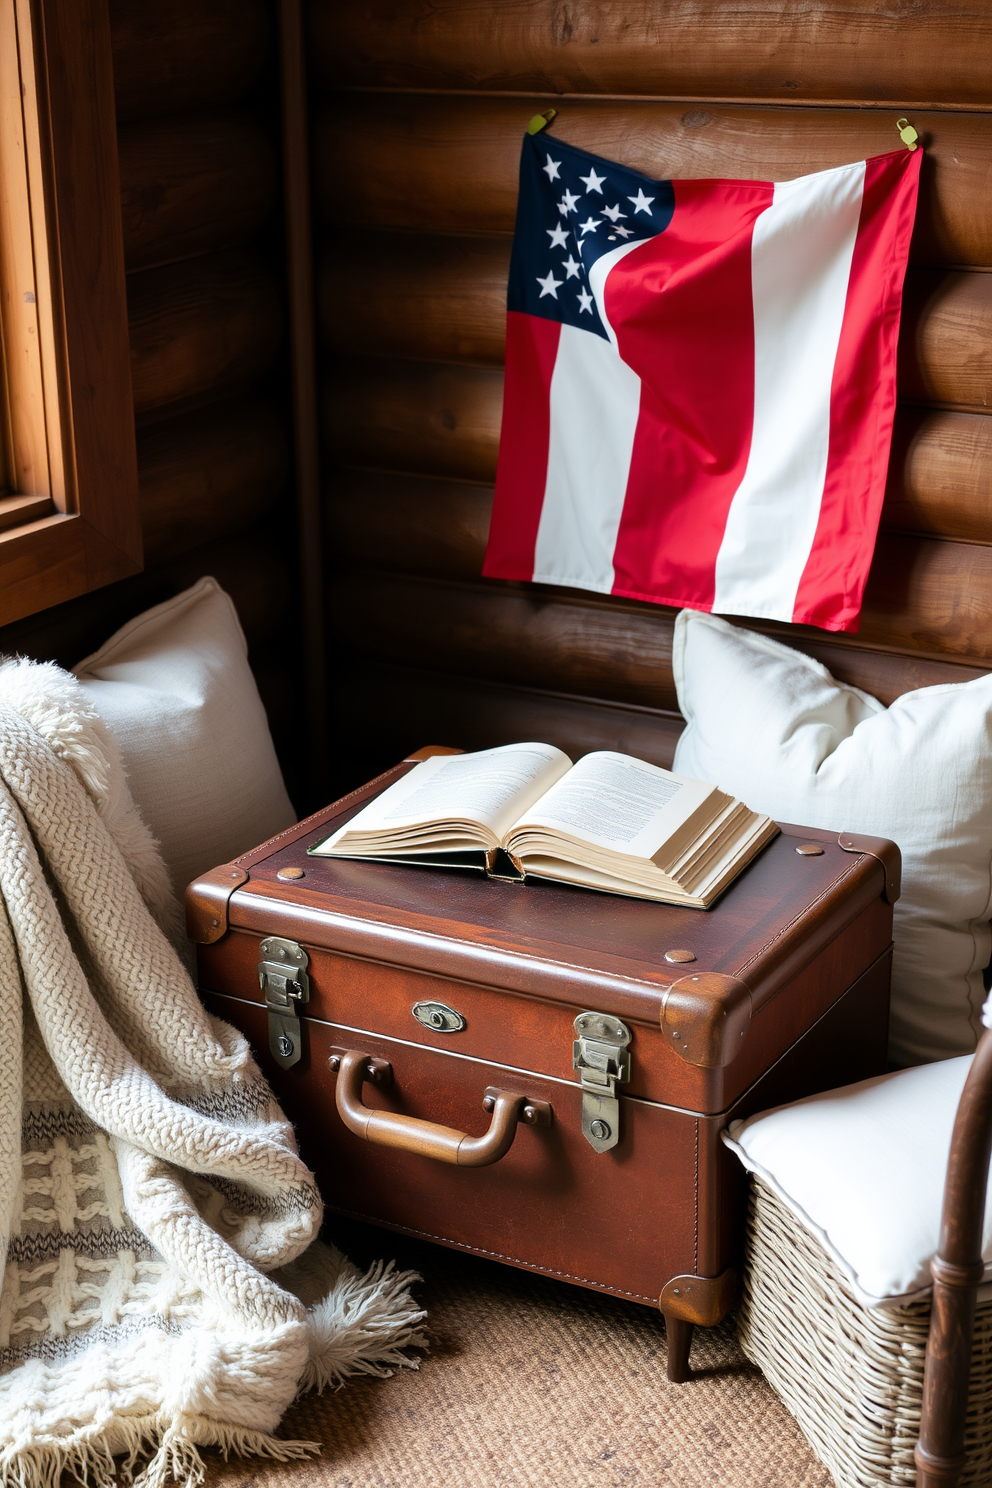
x=532 y=1382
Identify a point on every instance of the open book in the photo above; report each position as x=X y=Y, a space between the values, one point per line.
x=610 y=822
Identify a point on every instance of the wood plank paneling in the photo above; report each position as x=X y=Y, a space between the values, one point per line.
x=193 y=183
x=565 y=641
x=444 y=299
x=413 y=391
x=940 y=475
x=439 y=420
x=930 y=597
x=945 y=343
x=423 y=525
x=621 y=651
x=935 y=50
x=427 y=526
x=443 y=420
x=449 y=165
x=205 y=325
x=206 y=474
x=174 y=56
x=437 y=298
x=394 y=710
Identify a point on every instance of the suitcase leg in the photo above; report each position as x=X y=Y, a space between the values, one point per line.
x=679 y=1343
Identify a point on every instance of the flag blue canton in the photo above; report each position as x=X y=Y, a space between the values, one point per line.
x=573 y=207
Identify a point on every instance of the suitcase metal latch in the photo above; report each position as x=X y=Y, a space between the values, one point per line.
x=282 y=976
x=600 y=1056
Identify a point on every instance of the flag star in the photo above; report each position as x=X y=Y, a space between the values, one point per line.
x=614 y=213
x=567 y=203
x=571 y=268
x=585 y=300
x=558 y=236
x=551 y=167
x=641 y=202
x=550 y=285
x=590 y=224
x=593 y=182
x=624 y=232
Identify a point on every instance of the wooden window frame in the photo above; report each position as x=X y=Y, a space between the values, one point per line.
x=70 y=520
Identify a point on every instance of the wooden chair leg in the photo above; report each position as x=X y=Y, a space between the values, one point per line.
x=958 y=1271
x=679 y=1343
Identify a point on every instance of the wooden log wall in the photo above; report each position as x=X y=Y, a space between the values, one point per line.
x=419 y=109
x=201 y=201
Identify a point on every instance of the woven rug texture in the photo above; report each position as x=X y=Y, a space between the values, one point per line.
x=530 y=1381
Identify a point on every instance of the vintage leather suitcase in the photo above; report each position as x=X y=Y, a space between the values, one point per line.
x=558 y=1064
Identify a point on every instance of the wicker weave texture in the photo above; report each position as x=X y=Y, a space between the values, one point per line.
x=851 y=1375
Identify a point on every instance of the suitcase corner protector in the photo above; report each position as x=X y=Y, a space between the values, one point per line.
x=705 y=1016
x=207 y=899
x=704 y=1300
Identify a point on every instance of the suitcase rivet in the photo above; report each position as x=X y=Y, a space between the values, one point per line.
x=285 y=1045
x=675 y=957
x=676 y=1291
x=489 y=1102
x=810 y=850
x=600 y=1130
x=334 y=1063
x=530 y=1113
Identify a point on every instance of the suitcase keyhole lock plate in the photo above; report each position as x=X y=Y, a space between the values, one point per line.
x=438 y=1016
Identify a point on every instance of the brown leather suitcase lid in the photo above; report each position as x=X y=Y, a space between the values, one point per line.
x=558 y=942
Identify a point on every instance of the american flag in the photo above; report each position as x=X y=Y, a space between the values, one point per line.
x=700 y=383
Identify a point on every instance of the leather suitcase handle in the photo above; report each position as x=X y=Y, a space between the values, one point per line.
x=444 y=1143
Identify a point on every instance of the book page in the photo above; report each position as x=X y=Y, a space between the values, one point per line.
x=618 y=802
x=490 y=787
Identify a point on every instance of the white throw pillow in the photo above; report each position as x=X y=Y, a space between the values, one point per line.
x=863 y=1168
x=776 y=729
x=175 y=689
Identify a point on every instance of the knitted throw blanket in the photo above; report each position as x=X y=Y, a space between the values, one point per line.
x=161 y=1289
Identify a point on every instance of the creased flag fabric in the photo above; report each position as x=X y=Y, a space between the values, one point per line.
x=700 y=383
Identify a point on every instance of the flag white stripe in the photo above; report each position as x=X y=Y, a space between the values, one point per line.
x=801 y=252
x=595 y=400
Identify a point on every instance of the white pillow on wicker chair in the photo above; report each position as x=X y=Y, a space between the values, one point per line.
x=175 y=689
x=776 y=729
x=863 y=1169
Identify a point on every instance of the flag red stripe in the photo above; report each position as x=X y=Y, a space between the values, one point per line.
x=522 y=472
x=681 y=309
x=862 y=400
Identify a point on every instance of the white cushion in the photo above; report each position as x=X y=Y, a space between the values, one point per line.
x=176 y=691
x=863 y=1168
x=774 y=728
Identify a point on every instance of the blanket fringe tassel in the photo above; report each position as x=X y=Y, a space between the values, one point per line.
x=364 y=1327
x=176 y=1446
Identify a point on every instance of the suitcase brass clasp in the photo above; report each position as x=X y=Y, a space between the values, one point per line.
x=599 y=1053
x=282 y=976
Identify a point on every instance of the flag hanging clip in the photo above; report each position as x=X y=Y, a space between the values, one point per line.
x=541 y=121
x=909 y=136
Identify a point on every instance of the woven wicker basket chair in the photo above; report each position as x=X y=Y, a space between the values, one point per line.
x=891 y=1394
